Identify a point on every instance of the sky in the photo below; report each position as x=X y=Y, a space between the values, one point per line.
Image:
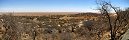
x=55 y=5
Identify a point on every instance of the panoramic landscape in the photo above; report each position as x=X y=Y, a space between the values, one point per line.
x=58 y=20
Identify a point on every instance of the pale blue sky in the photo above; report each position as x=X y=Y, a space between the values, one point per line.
x=55 y=5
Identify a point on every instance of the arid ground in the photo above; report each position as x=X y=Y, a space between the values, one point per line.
x=55 y=26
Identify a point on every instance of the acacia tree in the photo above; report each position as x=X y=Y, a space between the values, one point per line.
x=119 y=21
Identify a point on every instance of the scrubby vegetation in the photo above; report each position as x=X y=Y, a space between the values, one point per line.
x=82 y=26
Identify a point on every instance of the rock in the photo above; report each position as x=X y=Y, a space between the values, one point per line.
x=126 y=36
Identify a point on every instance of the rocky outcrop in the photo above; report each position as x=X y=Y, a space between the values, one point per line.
x=126 y=35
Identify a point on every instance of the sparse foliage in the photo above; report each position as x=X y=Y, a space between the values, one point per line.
x=117 y=23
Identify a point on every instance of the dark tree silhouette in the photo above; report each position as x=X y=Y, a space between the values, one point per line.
x=116 y=23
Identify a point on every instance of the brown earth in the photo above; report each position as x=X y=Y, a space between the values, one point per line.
x=54 y=26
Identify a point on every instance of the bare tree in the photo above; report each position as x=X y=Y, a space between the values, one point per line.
x=11 y=27
x=116 y=23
